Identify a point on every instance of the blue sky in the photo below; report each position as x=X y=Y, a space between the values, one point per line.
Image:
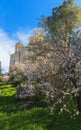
x=17 y=20
x=24 y=14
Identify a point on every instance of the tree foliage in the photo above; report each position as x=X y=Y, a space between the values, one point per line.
x=65 y=18
x=65 y=43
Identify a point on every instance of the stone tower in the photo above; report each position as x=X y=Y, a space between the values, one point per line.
x=18 y=47
x=19 y=56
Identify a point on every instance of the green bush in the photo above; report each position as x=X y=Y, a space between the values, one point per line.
x=41 y=100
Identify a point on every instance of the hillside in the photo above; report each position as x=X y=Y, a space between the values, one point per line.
x=12 y=117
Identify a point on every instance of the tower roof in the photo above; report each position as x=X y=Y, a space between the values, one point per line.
x=19 y=44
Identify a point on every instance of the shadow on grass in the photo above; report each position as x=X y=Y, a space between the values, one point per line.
x=34 y=119
x=2 y=88
x=9 y=104
x=1 y=83
x=65 y=122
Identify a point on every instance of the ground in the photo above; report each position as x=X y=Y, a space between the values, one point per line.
x=12 y=117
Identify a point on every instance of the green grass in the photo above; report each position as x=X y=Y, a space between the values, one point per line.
x=28 y=120
x=12 y=117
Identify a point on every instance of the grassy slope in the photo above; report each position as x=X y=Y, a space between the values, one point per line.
x=13 y=118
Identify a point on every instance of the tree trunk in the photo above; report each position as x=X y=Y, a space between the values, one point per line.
x=78 y=103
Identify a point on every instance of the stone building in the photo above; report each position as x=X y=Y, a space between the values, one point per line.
x=20 y=55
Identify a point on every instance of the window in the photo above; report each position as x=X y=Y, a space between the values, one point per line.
x=24 y=58
x=14 y=61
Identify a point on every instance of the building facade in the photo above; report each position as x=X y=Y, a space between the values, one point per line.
x=20 y=55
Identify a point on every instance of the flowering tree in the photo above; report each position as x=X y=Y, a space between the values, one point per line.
x=64 y=54
x=17 y=73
